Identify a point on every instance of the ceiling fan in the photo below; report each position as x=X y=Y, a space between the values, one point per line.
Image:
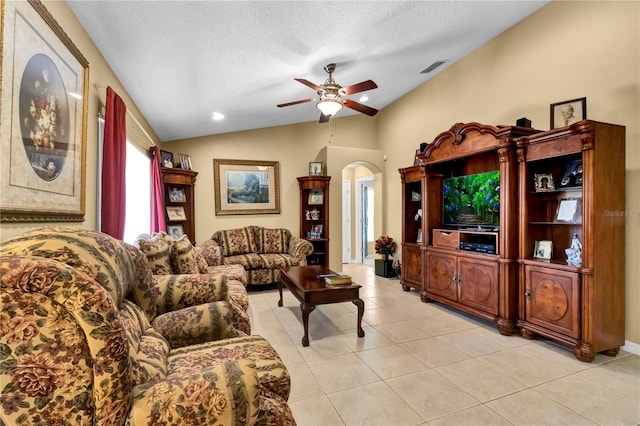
x=333 y=97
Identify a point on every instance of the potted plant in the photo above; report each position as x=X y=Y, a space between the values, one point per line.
x=386 y=247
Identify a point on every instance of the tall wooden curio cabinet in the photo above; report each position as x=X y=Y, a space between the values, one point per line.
x=572 y=196
x=314 y=216
x=412 y=178
x=179 y=190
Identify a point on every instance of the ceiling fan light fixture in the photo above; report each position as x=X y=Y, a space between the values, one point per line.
x=329 y=107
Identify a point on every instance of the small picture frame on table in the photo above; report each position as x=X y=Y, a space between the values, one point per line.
x=315 y=168
x=568 y=112
x=544 y=182
x=543 y=249
x=316 y=197
x=175 y=231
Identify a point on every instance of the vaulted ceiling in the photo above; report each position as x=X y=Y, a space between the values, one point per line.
x=181 y=61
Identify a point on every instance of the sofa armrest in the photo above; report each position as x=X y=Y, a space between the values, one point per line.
x=222 y=394
x=197 y=324
x=184 y=290
x=300 y=249
x=211 y=252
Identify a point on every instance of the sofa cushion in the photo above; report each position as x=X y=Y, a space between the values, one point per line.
x=210 y=251
x=183 y=257
x=272 y=240
x=158 y=252
x=273 y=260
x=236 y=241
x=248 y=261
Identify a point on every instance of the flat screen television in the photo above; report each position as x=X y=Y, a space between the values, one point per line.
x=472 y=201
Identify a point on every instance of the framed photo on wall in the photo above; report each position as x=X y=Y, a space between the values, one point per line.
x=246 y=186
x=43 y=120
x=568 y=112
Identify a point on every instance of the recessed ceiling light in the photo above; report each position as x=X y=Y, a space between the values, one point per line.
x=217 y=116
x=364 y=98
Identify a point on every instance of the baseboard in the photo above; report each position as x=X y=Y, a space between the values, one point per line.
x=631 y=347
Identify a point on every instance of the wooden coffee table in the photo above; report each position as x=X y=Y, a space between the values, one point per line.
x=302 y=281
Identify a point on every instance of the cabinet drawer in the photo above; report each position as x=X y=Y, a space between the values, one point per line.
x=447 y=239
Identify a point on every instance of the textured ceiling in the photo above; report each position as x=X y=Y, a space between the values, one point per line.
x=182 y=60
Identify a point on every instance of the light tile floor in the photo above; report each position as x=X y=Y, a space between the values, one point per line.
x=426 y=364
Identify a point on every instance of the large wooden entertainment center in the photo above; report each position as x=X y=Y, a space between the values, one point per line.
x=483 y=262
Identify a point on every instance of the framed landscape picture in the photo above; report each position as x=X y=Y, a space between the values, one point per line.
x=43 y=118
x=246 y=187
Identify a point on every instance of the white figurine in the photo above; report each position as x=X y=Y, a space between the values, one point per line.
x=574 y=253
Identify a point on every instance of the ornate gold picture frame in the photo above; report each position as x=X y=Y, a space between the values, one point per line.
x=43 y=118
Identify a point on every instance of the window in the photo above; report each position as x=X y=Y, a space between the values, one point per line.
x=138 y=217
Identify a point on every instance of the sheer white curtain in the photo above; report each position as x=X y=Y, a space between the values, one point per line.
x=138 y=216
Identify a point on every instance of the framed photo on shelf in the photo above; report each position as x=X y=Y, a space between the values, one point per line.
x=543 y=250
x=567 y=210
x=185 y=162
x=316 y=196
x=315 y=168
x=544 y=182
x=175 y=231
x=246 y=186
x=568 y=112
x=572 y=175
x=176 y=213
x=166 y=158
x=176 y=195
x=44 y=80
x=316 y=231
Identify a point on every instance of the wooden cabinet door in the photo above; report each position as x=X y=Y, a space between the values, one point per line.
x=478 y=284
x=552 y=299
x=441 y=274
x=412 y=264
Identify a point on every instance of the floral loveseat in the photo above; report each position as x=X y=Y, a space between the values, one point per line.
x=80 y=342
x=261 y=251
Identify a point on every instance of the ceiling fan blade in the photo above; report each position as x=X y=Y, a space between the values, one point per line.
x=295 y=102
x=360 y=87
x=323 y=118
x=359 y=107
x=308 y=83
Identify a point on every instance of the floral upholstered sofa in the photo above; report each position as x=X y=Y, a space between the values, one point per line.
x=261 y=251
x=81 y=342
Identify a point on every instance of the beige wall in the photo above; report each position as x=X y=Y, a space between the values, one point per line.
x=517 y=74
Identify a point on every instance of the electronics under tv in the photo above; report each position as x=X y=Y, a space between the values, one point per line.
x=472 y=201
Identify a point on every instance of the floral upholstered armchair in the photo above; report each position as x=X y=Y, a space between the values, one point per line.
x=77 y=348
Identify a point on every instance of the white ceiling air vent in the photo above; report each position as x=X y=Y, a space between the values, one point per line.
x=432 y=67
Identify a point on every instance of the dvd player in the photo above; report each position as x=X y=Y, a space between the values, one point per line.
x=478 y=247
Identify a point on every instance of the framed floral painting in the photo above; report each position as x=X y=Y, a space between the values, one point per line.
x=43 y=118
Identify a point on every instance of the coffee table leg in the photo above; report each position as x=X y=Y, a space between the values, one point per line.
x=360 y=304
x=306 y=310
x=280 y=290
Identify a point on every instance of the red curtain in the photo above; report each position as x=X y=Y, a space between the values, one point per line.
x=157 y=209
x=114 y=160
